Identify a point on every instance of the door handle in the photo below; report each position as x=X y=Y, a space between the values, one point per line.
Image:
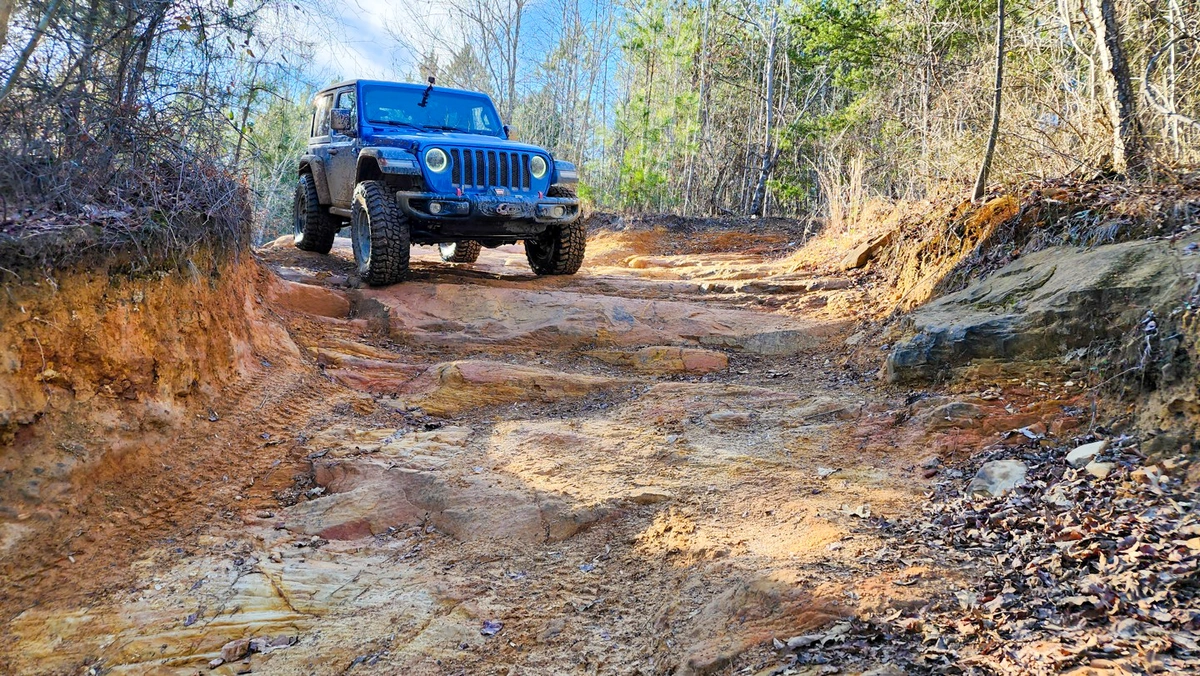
x=333 y=151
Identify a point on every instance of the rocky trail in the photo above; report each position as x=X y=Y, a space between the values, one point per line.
x=673 y=462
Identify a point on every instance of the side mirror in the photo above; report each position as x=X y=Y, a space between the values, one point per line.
x=508 y=133
x=341 y=120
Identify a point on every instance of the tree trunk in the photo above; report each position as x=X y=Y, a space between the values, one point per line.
x=702 y=110
x=1128 y=151
x=986 y=167
x=145 y=46
x=6 y=11
x=768 y=155
x=51 y=10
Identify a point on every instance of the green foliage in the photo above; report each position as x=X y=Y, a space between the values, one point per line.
x=846 y=38
x=276 y=140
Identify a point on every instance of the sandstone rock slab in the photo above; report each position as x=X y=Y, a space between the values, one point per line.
x=449 y=314
x=863 y=253
x=453 y=387
x=1042 y=306
x=308 y=298
x=369 y=495
x=666 y=359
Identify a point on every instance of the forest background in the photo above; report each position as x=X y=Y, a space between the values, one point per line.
x=809 y=108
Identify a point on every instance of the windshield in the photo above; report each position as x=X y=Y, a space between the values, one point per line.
x=447 y=111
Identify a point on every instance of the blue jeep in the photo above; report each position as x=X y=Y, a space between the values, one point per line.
x=413 y=164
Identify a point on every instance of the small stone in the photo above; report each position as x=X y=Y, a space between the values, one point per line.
x=998 y=477
x=1099 y=470
x=491 y=627
x=730 y=417
x=215 y=662
x=929 y=473
x=266 y=514
x=1086 y=453
x=649 y=496
x=235 y=650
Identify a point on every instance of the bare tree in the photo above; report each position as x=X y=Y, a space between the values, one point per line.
x=1127 y=151
x=30 y=46
x=981 y=182
x=768 y=154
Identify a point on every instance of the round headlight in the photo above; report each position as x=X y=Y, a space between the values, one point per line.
x=436 y=160
x=537 y=167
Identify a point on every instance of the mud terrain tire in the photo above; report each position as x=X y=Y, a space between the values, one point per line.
x=379 y=233
x=558 y=250
x=313 y=227
x=460 y=252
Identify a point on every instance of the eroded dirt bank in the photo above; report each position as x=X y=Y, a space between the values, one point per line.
x=673 y=462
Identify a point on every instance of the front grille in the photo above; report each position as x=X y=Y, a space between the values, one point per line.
x=489 y=169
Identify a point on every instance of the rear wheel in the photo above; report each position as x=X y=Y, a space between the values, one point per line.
x=558 y=250
x=313 y=228
x=460 y=252
x=379 y=234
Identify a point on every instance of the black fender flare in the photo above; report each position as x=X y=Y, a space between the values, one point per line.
x=396 y=161
x=316 y=167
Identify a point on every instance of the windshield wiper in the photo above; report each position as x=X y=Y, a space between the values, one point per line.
x=442 y=127
x=395 y=124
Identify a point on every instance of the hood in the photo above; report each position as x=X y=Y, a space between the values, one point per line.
x=413 y=141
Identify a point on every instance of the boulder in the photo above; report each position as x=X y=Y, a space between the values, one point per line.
x=997 y=477
x=1042 y=306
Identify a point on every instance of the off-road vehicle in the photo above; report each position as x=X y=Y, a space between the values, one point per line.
x=411 y=164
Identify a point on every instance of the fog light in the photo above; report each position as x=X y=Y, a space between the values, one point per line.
x=435 y=208
x=557 y=212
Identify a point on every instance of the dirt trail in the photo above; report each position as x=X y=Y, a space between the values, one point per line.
x=655 y=466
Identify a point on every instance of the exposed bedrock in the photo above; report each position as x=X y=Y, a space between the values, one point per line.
x=1044 y=305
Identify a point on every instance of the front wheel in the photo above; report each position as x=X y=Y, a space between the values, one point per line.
x=558 y=250
x=313 y=228
x=460 y=252
x=379 y=234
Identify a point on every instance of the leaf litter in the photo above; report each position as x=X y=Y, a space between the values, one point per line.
x=1071 y=571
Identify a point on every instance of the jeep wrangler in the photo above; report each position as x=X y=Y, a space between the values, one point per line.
x=407 y=164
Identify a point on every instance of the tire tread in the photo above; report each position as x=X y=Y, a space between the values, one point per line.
x=320 y=228
x=390 y=235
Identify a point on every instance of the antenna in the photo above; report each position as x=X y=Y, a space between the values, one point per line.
x=425 y=97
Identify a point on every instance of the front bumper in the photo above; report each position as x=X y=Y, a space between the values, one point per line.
x=434 y=209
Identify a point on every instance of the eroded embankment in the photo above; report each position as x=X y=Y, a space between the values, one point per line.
x=107 y=380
